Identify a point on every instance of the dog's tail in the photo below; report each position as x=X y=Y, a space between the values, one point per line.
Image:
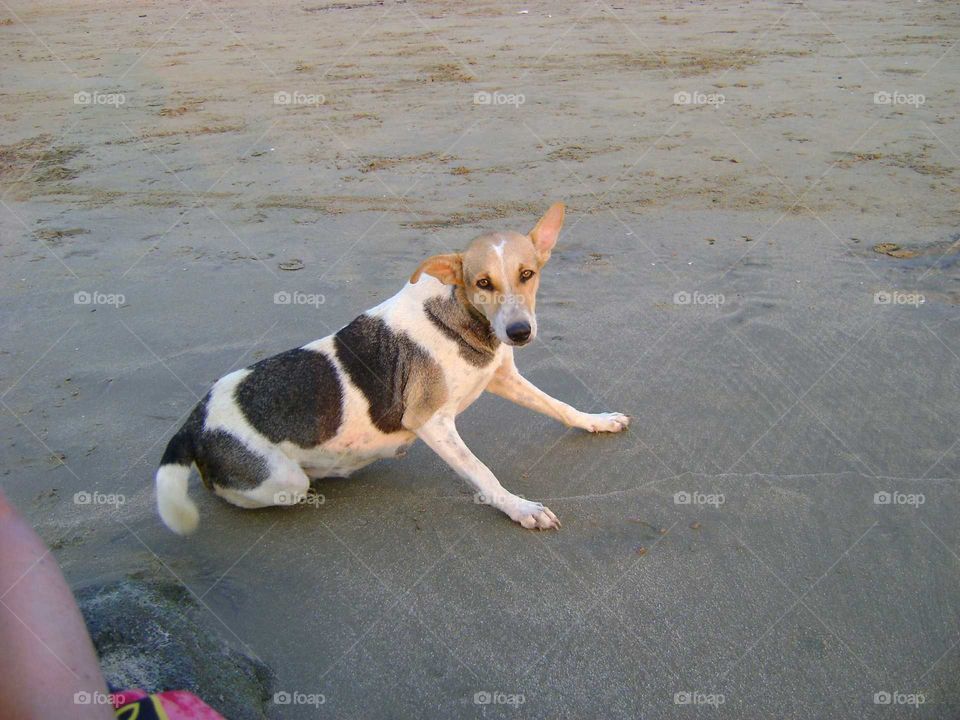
x=177 y=510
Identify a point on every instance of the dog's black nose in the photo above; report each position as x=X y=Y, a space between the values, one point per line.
x=519 y=331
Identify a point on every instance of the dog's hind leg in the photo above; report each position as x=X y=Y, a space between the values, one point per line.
x=287 y=484
x=247 y=473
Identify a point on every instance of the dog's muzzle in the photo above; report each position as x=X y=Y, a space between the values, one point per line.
x=519 y=332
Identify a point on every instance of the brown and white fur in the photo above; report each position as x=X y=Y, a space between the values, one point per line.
x=403 y=370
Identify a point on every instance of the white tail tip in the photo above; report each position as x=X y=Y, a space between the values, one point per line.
x=177 y=510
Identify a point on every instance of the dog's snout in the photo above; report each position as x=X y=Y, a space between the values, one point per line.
x=519 y=331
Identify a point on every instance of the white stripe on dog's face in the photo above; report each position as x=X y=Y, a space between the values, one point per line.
x=501 y=277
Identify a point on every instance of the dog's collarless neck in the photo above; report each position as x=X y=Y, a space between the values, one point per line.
x=478 y=317
x=459 y=320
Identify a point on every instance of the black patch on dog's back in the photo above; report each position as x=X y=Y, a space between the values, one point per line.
x=294 y=396
x=380 y=362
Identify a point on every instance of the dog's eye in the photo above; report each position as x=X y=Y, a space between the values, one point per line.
x=484 y=284
x=526 y=275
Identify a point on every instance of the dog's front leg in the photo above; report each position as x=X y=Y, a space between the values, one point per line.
x=440 y=434
x=508 y=383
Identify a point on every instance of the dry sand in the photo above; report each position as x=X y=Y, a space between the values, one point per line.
x=175 y=189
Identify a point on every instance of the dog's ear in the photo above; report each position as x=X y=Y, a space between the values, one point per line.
x=448 y=269
x=544 y=235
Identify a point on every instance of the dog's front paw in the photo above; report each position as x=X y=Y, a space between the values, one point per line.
x=533 y=515
x=606 y=422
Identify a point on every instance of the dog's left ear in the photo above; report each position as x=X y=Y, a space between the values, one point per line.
x=544 y=235
x=448 y=269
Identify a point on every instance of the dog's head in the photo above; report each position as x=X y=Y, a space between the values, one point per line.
x=500 y=274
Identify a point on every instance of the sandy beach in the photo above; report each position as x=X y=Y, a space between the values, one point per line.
x=759 y=264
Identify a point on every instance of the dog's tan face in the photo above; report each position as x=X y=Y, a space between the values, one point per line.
x=500 y=279
x=500 y=274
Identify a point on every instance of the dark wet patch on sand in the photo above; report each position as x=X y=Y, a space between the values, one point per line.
x=34 y=161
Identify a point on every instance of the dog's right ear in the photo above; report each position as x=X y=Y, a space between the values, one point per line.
x=448 y=269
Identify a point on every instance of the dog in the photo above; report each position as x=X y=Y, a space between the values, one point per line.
x=401 y=371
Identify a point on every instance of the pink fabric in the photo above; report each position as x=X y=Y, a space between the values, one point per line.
x=177 y=704
x=126 y=697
